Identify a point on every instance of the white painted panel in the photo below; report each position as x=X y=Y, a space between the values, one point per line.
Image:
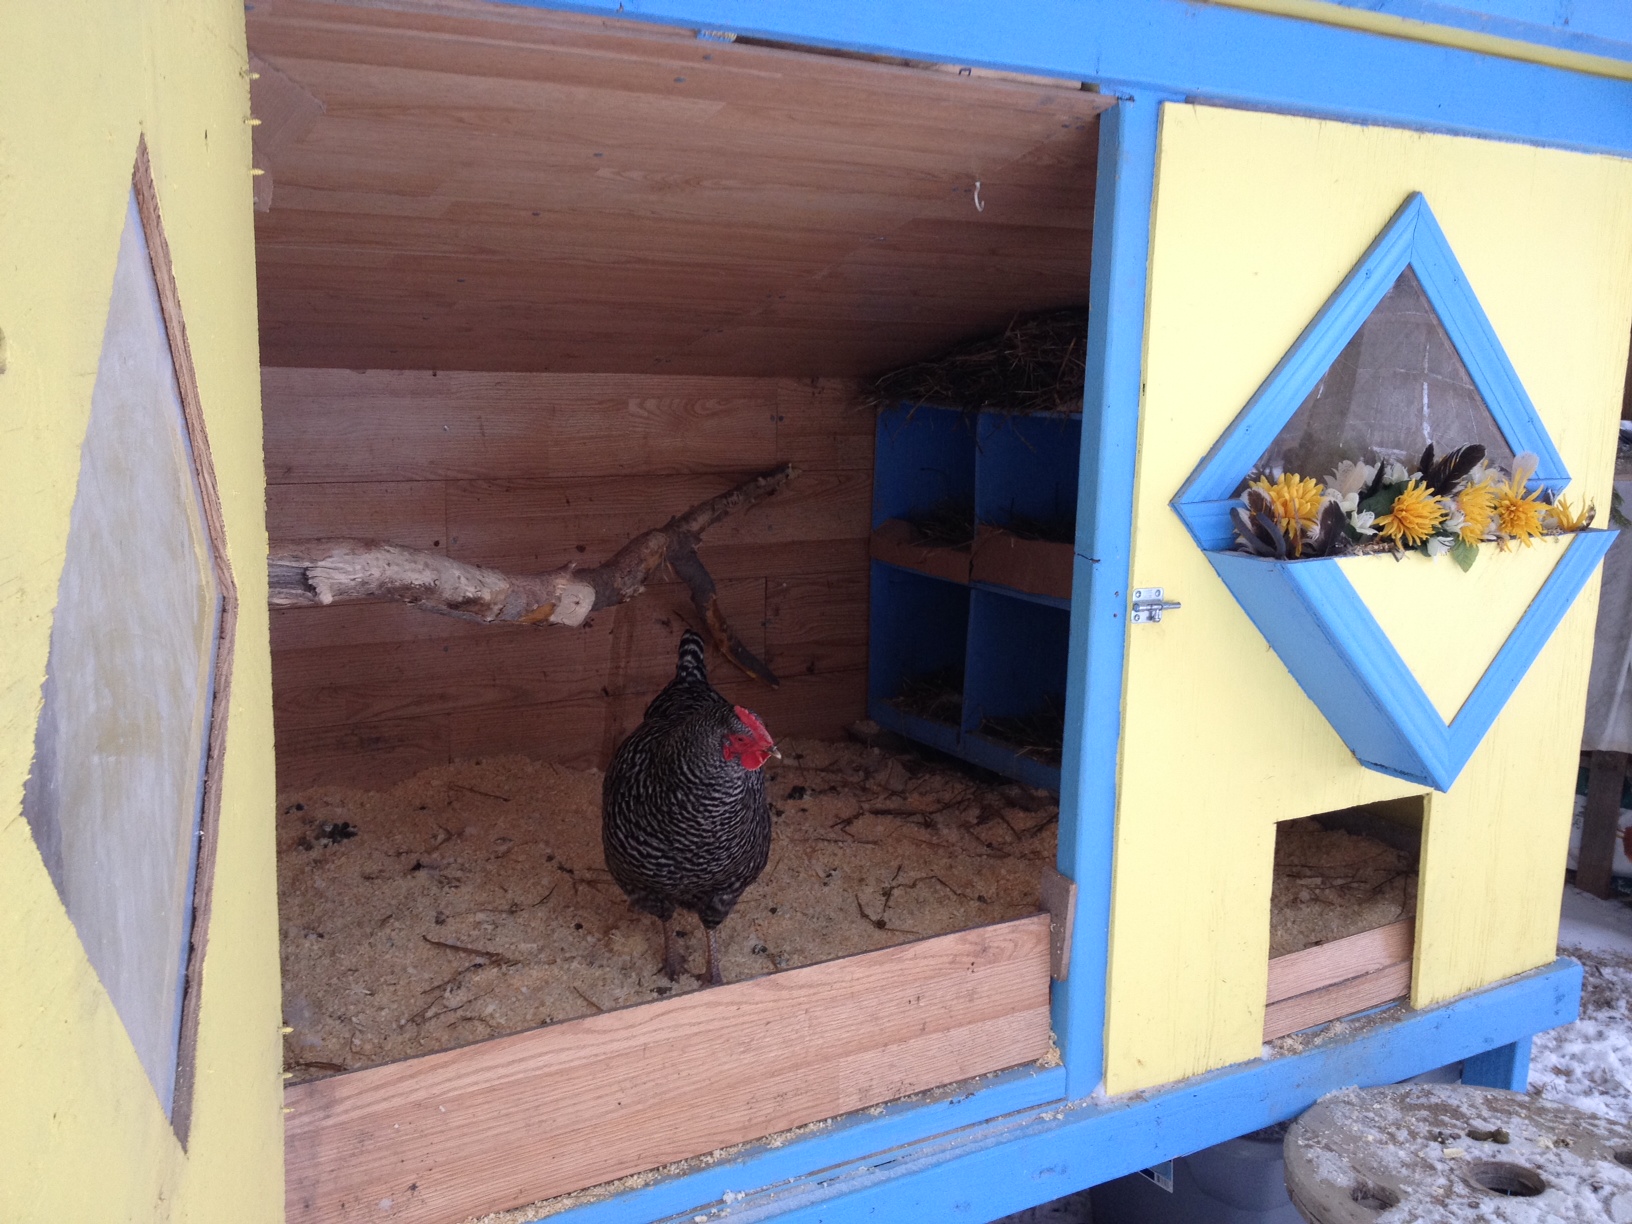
x=116 y=789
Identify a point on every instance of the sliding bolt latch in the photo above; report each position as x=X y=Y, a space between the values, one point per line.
x=1149 y=604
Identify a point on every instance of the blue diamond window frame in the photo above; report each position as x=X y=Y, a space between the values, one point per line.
x=1307 y=610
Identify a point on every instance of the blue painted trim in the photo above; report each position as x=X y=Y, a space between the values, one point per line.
x=943 y=736
x=846 y=1139
x=1328 y=639
x=1011 y=1163
x=1506 y=1066
x=1000 y=758
x=1128 y=136
x=1604 y=29
x=1036 y=597
x=1412 y=238
x=1201 y=51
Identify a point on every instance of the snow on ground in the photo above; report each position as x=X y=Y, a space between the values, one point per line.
x=1588 y=1064
x=1598 y=926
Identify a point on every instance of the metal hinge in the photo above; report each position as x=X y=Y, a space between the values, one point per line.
x=1148 y=605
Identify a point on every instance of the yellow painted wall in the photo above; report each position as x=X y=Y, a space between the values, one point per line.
x=1257 y=219
x=83 y=1135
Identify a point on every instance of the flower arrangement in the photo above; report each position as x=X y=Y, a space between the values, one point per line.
x=1450 y=504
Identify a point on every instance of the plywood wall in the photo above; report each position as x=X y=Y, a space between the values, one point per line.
x=527 y=471
x=85 y=1136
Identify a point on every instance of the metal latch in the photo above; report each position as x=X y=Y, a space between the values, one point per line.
x=1148 y=605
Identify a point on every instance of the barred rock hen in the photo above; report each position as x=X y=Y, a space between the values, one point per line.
x=684 y=820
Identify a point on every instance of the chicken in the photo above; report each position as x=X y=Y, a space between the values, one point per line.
x=684 y=819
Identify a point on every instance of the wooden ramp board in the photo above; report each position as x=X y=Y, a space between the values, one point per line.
x=1339 y=978
x=510 y=1121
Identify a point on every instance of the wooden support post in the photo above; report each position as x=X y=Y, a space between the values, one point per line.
x=1595 y=863
x=1506 y=1066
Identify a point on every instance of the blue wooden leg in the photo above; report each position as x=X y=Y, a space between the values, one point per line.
x=1506 y=1066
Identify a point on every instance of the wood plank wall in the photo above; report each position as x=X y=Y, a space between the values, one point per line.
x=526 y=471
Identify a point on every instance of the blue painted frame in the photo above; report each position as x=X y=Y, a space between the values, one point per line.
x=1307 y=609
x=1197 y=51
x=1339 y=655
x=1412 y=238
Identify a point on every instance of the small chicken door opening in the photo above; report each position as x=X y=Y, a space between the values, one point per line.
x=521 y=335
x=1343 y=913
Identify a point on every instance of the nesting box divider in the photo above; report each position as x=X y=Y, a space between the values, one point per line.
x=920 y=631
x=1015 y=675
x=1026 y=502
x=924 y=490
x=1005 y=601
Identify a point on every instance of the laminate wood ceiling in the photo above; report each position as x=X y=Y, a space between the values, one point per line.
x=476 y=186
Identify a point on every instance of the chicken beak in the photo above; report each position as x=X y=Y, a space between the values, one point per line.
x=776 y=752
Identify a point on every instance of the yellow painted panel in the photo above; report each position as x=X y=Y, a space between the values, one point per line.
x=1446 y=624
x=1257 y=219
x=81 y=81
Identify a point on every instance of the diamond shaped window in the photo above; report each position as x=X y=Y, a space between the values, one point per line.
x=122 y=777
x=1401 y=355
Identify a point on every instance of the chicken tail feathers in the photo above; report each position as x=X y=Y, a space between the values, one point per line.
x=693 y=665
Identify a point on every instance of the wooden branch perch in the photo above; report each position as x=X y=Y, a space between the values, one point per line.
x=308 y=572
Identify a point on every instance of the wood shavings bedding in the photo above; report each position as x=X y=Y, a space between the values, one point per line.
x=1330 y=884
x=472 y=900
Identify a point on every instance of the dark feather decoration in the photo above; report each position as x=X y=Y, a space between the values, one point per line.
x=1376 y=485
x=1256 y=528
x=1331 y=534
x=1442 y=476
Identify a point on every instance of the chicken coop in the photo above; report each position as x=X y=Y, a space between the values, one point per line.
x=1147 y=468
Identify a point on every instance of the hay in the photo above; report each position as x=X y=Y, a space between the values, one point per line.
x=936 y=695
x=1035 y=365
x=948 y=525
x=1061 y=530
x=1039 y=735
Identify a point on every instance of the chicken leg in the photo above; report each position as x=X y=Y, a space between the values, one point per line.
x=674 y=957
x=714 y=978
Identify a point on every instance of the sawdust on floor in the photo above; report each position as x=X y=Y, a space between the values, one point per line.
x=472 y=900
x=1330 y=884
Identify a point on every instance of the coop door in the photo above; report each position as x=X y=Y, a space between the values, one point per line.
x=1259 y=222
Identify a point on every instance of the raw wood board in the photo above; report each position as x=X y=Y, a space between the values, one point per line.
x=529 y=471
x=895 y=543
x=501 y=188
x=1328 y=964
x=1338 y=979
x=521 y=1118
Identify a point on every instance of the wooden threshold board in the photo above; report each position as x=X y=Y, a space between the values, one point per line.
x=507 y=1122
x=1339 y=978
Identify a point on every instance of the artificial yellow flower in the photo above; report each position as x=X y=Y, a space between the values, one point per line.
x=1413 y=516
x=1567 y=520
x=1296 y=501
x=1519 y=514
x=1478 y=505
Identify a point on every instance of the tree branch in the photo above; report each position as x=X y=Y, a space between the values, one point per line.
x=309 y=572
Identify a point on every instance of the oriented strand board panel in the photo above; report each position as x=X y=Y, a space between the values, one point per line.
x=505 y=1122
x=492 y=187
x=115 y=794
x=525 y=472
x=1257 y=219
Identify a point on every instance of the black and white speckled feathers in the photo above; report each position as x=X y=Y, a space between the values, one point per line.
x=683 y=823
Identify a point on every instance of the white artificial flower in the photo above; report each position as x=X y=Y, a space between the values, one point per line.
x=1437 y=545
x=1454 y=518
x=1362 y=523
x=1350 y=478
x=1395 y=473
